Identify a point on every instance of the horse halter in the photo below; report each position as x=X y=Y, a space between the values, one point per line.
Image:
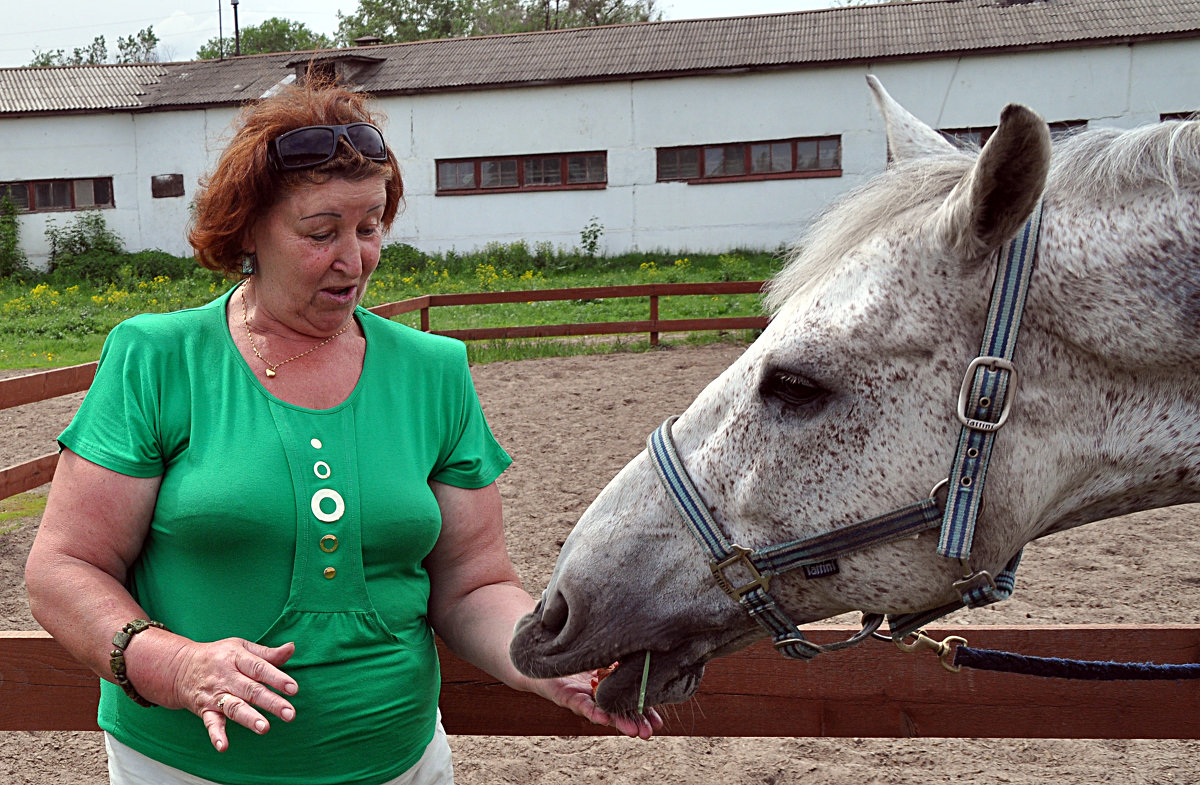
x=984 y=402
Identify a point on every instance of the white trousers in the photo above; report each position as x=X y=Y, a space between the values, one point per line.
x=127 y=766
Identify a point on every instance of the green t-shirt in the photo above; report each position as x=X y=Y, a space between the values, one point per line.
x=277 y=523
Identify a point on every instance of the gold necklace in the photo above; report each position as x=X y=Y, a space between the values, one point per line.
x=270 y=372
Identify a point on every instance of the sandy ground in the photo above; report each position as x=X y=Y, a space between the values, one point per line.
x=571 y=424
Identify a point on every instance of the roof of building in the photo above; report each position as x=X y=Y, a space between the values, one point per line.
x=77 y=87
x=888 y=31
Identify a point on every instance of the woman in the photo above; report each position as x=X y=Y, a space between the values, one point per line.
x=266 y=506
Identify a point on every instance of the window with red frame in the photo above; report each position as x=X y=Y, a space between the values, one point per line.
x=767 y=160
x=976 y=137
x=505 y=174
x=37 y=196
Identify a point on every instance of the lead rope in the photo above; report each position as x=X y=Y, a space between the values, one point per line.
x=1055 y=667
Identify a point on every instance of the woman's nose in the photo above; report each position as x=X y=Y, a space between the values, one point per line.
x=349 y=254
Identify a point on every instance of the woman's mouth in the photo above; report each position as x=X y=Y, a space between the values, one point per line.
x=341 y=294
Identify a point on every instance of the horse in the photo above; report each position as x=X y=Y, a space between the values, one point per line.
x=843 y=409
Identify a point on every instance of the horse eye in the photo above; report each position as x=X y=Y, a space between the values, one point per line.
x=790 y=388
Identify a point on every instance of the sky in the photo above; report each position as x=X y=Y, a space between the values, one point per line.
x=183 y=26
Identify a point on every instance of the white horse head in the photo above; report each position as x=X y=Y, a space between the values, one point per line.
x=844 y=408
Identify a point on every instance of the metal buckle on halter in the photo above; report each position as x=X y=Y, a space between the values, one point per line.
x=977 y=581
x=964 y=393
x=740 y=556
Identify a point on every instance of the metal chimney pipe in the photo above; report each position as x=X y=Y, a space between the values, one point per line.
x=237 y=38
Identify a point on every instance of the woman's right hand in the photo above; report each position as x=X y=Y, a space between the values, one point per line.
x=230 y=679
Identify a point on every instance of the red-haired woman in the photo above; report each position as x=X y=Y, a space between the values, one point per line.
x=266 y=506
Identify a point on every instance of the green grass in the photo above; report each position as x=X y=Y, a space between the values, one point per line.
x=482 y=352
x=50 y=325
x=23 y=505
x=55 y=323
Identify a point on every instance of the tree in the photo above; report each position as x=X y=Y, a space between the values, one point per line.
x=493 y=17
x=394 y=21
x=141 y=48
x=558 y=14
x=138 y=48
x=273 y=35
x=51 y=57
x=94 y=54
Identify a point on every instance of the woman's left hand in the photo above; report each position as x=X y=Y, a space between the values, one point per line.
x=575 y=693
x=476 y=598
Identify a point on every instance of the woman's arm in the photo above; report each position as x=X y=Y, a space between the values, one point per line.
x=95 y=524
x=92 y=531
x=476 y=599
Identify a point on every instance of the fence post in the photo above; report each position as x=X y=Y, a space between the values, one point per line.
x=653 y=319
x=425 y=319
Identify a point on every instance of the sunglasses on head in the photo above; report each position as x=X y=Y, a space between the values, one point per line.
x=313 y=145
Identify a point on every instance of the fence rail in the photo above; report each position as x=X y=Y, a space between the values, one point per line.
x=872 y=690
x=43 y=385
x=869 y=691
x=653 y=325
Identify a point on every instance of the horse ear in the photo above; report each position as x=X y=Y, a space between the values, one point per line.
x=907 y=137
x=996 y=196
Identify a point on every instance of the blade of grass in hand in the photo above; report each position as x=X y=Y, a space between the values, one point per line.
x=642 y=692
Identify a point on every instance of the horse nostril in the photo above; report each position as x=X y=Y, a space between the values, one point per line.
x=554 y=613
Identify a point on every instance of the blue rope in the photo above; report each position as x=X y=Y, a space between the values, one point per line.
x=1055 y=667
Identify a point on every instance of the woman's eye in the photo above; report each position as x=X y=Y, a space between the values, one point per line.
x=321 y=237
x=791 y=389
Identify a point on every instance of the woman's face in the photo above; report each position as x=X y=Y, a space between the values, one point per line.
x=316 y=248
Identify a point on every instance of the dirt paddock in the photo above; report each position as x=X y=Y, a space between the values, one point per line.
x=571 y=424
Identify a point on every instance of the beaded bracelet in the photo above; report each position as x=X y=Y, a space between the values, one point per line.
x=116 y=658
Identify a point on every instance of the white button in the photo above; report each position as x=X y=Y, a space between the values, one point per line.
x=339 y=508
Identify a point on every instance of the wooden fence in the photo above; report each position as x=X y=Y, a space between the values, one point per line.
x=62 y=381
x=652 y=325
x=872 y=690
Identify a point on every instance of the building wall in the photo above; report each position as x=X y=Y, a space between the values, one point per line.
x=556 y=119
x=186 y=143
x=73 y=146
x=1120 y=86
x=130 y=149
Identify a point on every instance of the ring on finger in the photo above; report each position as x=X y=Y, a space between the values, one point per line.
x=221 y=702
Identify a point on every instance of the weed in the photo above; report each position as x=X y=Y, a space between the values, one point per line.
x=589 y=237
x=13 y=263
x=86 y=232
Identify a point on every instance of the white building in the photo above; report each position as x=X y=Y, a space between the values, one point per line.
x=702 y=135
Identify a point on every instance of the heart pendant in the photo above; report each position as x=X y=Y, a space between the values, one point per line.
x=270 y=372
